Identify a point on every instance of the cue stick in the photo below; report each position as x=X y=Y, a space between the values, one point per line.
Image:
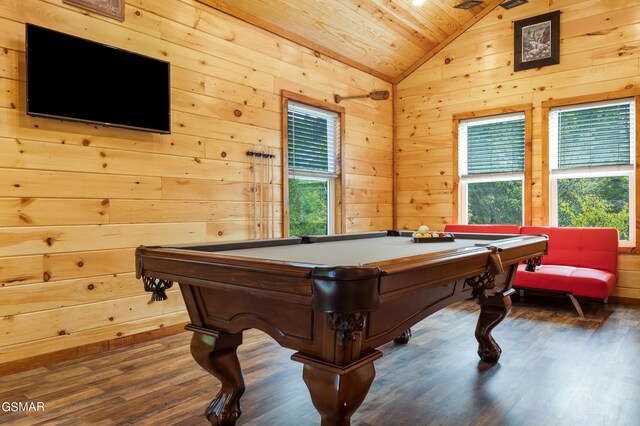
x=270 y=206
x=266 y=195
x=273 y=198
x=261 y=193
x=254 y=198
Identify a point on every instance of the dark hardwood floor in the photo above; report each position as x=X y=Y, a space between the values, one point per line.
x=556 y=369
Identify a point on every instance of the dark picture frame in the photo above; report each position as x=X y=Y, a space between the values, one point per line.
x=111 y=8
x=536 y=41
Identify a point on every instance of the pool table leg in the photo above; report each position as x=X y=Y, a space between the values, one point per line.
x=216 y=353
x=493 y=309
x=337 y=391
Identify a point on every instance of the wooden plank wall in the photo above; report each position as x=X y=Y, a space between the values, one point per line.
x=76 y=199
x=600 y=51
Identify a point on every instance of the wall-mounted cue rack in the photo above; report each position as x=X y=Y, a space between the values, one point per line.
x=263 y=190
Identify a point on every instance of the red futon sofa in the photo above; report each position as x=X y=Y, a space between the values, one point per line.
x=581 y=262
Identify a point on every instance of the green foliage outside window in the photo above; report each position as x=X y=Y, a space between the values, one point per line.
x=495 y=202
x=596 y=202
x=310 y=197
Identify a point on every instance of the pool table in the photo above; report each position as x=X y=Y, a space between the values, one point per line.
x=333 y=299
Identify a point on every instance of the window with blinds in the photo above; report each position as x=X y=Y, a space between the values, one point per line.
x=491 y=152
x=596 y=135
x=591 y=157
x=494 y=146
x=311 y=140
x=312 y=137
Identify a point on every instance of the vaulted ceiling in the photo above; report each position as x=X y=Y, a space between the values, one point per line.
x=386 y=38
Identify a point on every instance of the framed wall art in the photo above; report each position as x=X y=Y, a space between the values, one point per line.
x=111 y=8
x=537 y=41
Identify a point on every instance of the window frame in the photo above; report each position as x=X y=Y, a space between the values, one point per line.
x=336 y=217
x=634 y=187
x=459 y=192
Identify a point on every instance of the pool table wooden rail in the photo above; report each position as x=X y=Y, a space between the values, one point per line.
x=242 y=293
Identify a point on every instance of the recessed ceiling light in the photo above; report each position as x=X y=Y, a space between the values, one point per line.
x=417 y=2
x=468 y=4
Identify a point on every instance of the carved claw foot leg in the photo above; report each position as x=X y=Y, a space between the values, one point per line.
x=404 y=338
x=493 y=310
x=217 y=354
x=337 y=391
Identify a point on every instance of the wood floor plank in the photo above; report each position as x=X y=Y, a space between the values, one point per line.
x=556 y=369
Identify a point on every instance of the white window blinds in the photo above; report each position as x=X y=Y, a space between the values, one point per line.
x=312 y=135
x=597 y=135
x=493 y=145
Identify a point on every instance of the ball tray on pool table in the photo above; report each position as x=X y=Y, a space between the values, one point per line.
x=434 y=240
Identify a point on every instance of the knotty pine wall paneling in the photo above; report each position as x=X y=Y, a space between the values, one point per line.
x=76 y=199
x=599 y=53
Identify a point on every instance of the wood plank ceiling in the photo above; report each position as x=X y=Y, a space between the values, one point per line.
x=385 y=38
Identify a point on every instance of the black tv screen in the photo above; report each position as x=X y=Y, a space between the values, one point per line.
x=77 y=79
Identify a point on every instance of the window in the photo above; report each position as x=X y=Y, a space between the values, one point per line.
x=491 y=169
x=591 y=160
x=313 y=141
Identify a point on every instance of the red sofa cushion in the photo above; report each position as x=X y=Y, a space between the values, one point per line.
x=593 y=248
x=483 y=229
x=584 y=282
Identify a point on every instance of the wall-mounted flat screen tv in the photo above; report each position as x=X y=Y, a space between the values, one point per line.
x=77 y=79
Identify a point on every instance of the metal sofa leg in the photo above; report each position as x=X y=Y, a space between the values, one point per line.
x=576 y=305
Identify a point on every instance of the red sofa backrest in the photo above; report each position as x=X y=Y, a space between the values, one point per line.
x=595 y=248
x=483 y=229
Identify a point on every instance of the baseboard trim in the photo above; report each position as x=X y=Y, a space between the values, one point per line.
x=624 y=300
x=44 y=360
